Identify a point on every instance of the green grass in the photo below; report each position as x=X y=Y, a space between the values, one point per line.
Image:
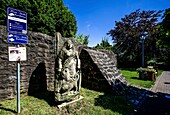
x=132 y=77
x=94 y=103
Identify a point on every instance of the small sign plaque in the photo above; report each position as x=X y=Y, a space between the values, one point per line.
x=17 y=38
x=16 y=53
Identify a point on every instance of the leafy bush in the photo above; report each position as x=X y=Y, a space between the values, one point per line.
x=145 y=70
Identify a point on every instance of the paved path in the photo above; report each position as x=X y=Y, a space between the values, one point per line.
x=157 y=101
x=162 y=84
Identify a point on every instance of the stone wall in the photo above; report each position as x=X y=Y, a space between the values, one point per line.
x=37 y=73
x=92 y=77
x=99 y=70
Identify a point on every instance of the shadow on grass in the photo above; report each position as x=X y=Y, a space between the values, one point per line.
x=135 y=77
x=48 y=96
x=114 y=103
x=155 y=104
x=7 y=109
x=129 y=69
x=145 y=102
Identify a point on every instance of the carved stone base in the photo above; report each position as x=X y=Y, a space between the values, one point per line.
x=68 y=96
x=70 y=102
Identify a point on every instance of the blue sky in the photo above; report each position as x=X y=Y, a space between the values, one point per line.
x=97 y=17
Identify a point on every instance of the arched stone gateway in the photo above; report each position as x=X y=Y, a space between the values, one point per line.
x=99 y=71
x=42 y=73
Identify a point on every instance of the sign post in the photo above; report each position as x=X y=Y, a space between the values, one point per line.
x=18 y=84
x=17 y=33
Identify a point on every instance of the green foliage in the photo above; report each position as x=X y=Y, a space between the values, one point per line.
x=145 y=70
x=154 y=62
x=46 y=16
x=94 y=103
x=104 y=44
x=127 y=34
x=164 y=43
x=166 y=22
x=83 y=39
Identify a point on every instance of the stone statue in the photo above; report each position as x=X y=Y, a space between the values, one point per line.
x=68 y=81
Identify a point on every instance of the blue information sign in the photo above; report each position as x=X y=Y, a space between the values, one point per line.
x=17 y=38
x=16 y=21
x=17 y=26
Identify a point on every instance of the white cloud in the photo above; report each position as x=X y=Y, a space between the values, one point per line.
x=88 y=27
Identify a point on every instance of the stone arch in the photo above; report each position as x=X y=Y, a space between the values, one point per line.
x=99 y=70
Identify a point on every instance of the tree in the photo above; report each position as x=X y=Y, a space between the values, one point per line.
x=83 y=39
x=104 y=44
x=46 y=16
x=164 y=27
x=164 y=42
x=127 y=32
x=166 y=21
x=66 y=20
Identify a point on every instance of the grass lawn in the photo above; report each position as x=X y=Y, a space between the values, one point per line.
x=94 y=103
x=132 y=77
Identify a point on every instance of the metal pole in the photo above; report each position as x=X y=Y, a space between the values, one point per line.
x=142 y=52
x=18 y=84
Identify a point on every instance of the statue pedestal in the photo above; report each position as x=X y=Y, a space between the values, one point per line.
x=70 y=102
x=68 y=96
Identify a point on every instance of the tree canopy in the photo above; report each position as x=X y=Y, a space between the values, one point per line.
x=166 y=20
x=46 y=16
x=104 y=44
x=164 y=27
x=83 y=39
x=127 y=34
x=164 y=42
